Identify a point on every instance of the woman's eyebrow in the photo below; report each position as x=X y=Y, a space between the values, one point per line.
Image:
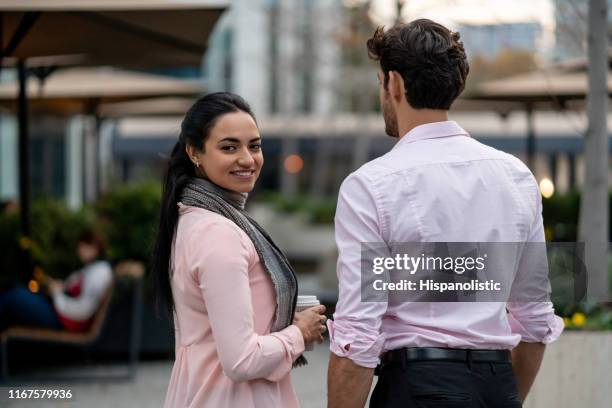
x=236 y=140
x=229 y=139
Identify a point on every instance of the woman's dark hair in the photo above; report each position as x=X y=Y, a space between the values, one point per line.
x=429 y=57
x=91 y=237
x=195 y=128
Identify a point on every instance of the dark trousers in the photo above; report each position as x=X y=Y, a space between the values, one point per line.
x=19 y=306
x=448 y=384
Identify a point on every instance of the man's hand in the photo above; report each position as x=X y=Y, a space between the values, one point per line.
x=526 y=360
x=348 y=384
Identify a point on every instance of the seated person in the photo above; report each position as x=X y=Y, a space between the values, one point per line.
x=72 y=302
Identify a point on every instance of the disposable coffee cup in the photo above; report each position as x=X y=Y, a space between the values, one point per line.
x=303 y=303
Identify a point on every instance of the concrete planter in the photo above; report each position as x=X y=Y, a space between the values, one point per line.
x=576 y=372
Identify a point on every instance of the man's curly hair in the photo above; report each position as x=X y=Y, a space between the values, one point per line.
x=429 y=57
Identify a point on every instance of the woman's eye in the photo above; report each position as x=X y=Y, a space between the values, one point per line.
x=256 y=146
x=228 y=148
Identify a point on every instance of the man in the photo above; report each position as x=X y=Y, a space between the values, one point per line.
x=437 y=184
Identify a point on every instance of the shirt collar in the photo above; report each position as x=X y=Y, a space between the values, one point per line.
x=433 y=131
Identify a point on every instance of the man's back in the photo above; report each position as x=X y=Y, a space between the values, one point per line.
x=436 y=185
x=439 y=187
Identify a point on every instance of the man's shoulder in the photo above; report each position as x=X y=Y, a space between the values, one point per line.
x=489 y=152
x=368 y=173
x=370 y=170
x=519 y=172
x=516 y=165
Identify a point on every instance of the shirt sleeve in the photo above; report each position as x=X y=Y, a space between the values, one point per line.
x=355 y=329
x=96 y=279
x=222 y=269
x=530 y=313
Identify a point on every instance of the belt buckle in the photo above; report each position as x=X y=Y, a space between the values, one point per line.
x=383 y=363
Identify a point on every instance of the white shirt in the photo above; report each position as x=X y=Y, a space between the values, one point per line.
x=94 y=279
x=437 y=184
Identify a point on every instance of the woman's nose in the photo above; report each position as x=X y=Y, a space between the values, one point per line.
x=246 y=159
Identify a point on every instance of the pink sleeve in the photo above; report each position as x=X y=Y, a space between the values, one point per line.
x=221 y=268
x=355 y=330
x=535 y=320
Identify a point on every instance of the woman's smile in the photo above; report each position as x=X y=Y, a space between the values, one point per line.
x=245 y=175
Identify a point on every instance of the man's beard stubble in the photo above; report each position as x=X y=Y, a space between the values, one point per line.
x=391 y=128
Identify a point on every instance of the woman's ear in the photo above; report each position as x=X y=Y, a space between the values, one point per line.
x=191 y=152
x=396 y=86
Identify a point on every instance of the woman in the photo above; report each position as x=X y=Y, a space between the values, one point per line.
x=230 y=289
x=73 y=301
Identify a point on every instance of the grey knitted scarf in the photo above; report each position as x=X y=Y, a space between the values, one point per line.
x=204 y=194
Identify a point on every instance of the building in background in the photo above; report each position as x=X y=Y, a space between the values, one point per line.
x=489 y=40
x=8 y=158
x=280 y=55
x=48 y=153
x=571 y=18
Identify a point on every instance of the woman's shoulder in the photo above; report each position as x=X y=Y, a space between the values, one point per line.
x=197 y=220
x=100 y=270
x=100 y=266
x=202 y=232
x=201 y=217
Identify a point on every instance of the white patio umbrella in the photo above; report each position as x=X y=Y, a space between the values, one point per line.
x=92 y=90
x=127 y=33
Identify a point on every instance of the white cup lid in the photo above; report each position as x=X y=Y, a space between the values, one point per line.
x=307 y=299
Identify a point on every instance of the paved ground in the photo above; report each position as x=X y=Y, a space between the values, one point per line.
x=148 y=388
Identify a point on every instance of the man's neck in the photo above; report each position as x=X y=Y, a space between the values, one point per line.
x=415 y=118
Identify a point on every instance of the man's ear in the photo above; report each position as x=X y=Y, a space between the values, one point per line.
x=395 y=86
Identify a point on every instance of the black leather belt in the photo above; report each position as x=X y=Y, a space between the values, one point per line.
x=445 y=354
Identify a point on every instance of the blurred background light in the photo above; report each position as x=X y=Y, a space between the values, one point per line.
x=294 y=163
x=33 y=286
x=547 y=188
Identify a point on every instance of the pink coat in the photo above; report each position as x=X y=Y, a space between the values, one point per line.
x=224 y=308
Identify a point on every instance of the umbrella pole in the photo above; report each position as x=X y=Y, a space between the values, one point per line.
x=24 y=161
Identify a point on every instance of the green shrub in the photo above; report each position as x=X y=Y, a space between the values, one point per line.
x=318 y=210
x=129 y=215
x=561 y=213
x=285 y=203
x=55 y=231
x=322 y=211
x=52 y=245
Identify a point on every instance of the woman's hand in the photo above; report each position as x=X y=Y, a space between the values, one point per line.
x=311 y=323
x=54 y=285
